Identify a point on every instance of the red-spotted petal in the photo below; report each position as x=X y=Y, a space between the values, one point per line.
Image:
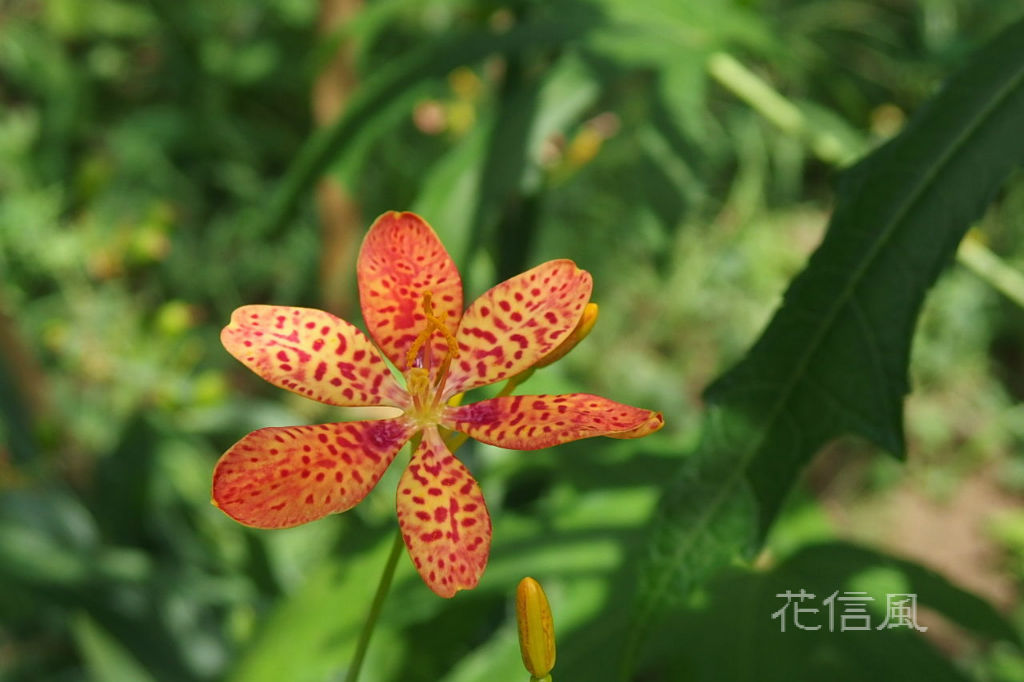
x=443 y=518
x=281 y=477
x=517 y=323
x=312 y=353
x=531 y=422
x=402 y=259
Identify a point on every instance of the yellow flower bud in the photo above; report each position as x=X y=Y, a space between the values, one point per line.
x=536 y=629
x=587 y=321
x=584 y=147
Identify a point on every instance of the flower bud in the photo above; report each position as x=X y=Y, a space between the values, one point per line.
x=536 y=629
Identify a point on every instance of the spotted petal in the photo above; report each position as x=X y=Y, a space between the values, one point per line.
x=518 y=322
x=282 y=477
x=443 y=518
x=402 y=259
x=531 y=422
x=312 y=353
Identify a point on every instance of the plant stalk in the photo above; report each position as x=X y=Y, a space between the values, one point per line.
x=375 y=608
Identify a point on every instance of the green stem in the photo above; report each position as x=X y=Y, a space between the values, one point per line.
x=731 y=74
x=396 y=550
x=1004 y=278
x=378 y=602
x=776 y=108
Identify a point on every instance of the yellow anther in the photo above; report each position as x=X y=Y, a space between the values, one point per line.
x=434 y=323
x=414 y=349
x=536 y=628
x=439 y=325
x=428 y=306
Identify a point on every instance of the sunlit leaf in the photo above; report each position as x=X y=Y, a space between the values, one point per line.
x=833 y=360
x=733 y=636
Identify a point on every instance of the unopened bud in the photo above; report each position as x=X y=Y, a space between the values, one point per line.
x=587 y=321
x=536 y=629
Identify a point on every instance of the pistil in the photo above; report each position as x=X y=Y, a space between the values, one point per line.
x=418 y=374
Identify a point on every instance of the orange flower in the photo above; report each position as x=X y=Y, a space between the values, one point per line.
x=411 y=296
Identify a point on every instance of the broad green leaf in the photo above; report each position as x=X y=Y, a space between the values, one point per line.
x=311 y=633
x=833 y=360
x=732 y=635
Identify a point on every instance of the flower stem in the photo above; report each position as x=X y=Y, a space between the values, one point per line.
x=396 y=549
x=378 y=602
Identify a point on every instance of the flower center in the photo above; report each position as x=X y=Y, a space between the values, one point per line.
x=426 y=394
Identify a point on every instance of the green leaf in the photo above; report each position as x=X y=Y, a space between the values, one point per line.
x=105 y=657
x=497 y=157
x=833 y=360
x=501 y=206
x=569 y=91
x=311 y=634
x=15 y=416
x=447 y=194
x=655 y=32
x=732 y=635
x=434 y=60
x=846 y=566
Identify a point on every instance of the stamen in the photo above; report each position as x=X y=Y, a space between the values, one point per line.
x=433 y=323
x=414 y=349
x=419 y=382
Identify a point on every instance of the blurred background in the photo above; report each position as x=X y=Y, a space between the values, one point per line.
x=163 y=162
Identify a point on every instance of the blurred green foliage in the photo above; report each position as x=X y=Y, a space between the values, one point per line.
x=157 y=166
